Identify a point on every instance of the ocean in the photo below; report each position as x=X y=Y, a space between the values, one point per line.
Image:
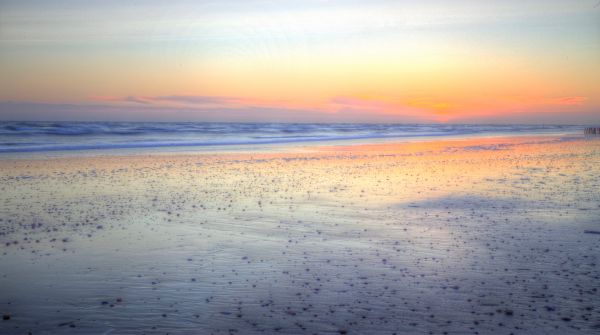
x=16 y=137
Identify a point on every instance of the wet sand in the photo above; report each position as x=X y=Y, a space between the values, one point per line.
x=480 y=236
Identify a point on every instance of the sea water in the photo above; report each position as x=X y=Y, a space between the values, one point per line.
x=19 y=137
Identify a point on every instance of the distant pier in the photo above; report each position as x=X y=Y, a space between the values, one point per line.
x=592 y=131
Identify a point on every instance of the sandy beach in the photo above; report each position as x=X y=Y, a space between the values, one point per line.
x=492 y=235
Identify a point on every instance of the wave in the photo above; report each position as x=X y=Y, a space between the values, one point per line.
x=67 y=136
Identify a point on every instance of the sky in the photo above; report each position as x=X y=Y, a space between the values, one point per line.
x=301 y=61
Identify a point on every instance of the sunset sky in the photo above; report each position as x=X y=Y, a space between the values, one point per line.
x=331 y=61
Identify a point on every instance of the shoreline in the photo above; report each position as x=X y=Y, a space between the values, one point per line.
x=269 y=148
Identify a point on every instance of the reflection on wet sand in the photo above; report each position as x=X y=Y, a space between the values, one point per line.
x=472 y=236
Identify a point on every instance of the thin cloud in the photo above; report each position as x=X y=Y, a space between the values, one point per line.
x=35 y=111
x=568 y=101
x=343 y=103
x=136 y=100
x=108 y=98
x=196 y=99
x=178 y=99
x=377 y=108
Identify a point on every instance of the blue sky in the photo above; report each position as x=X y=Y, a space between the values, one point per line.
x=438 y=61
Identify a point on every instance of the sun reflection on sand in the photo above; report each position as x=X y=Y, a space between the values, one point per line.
x=395 y=237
